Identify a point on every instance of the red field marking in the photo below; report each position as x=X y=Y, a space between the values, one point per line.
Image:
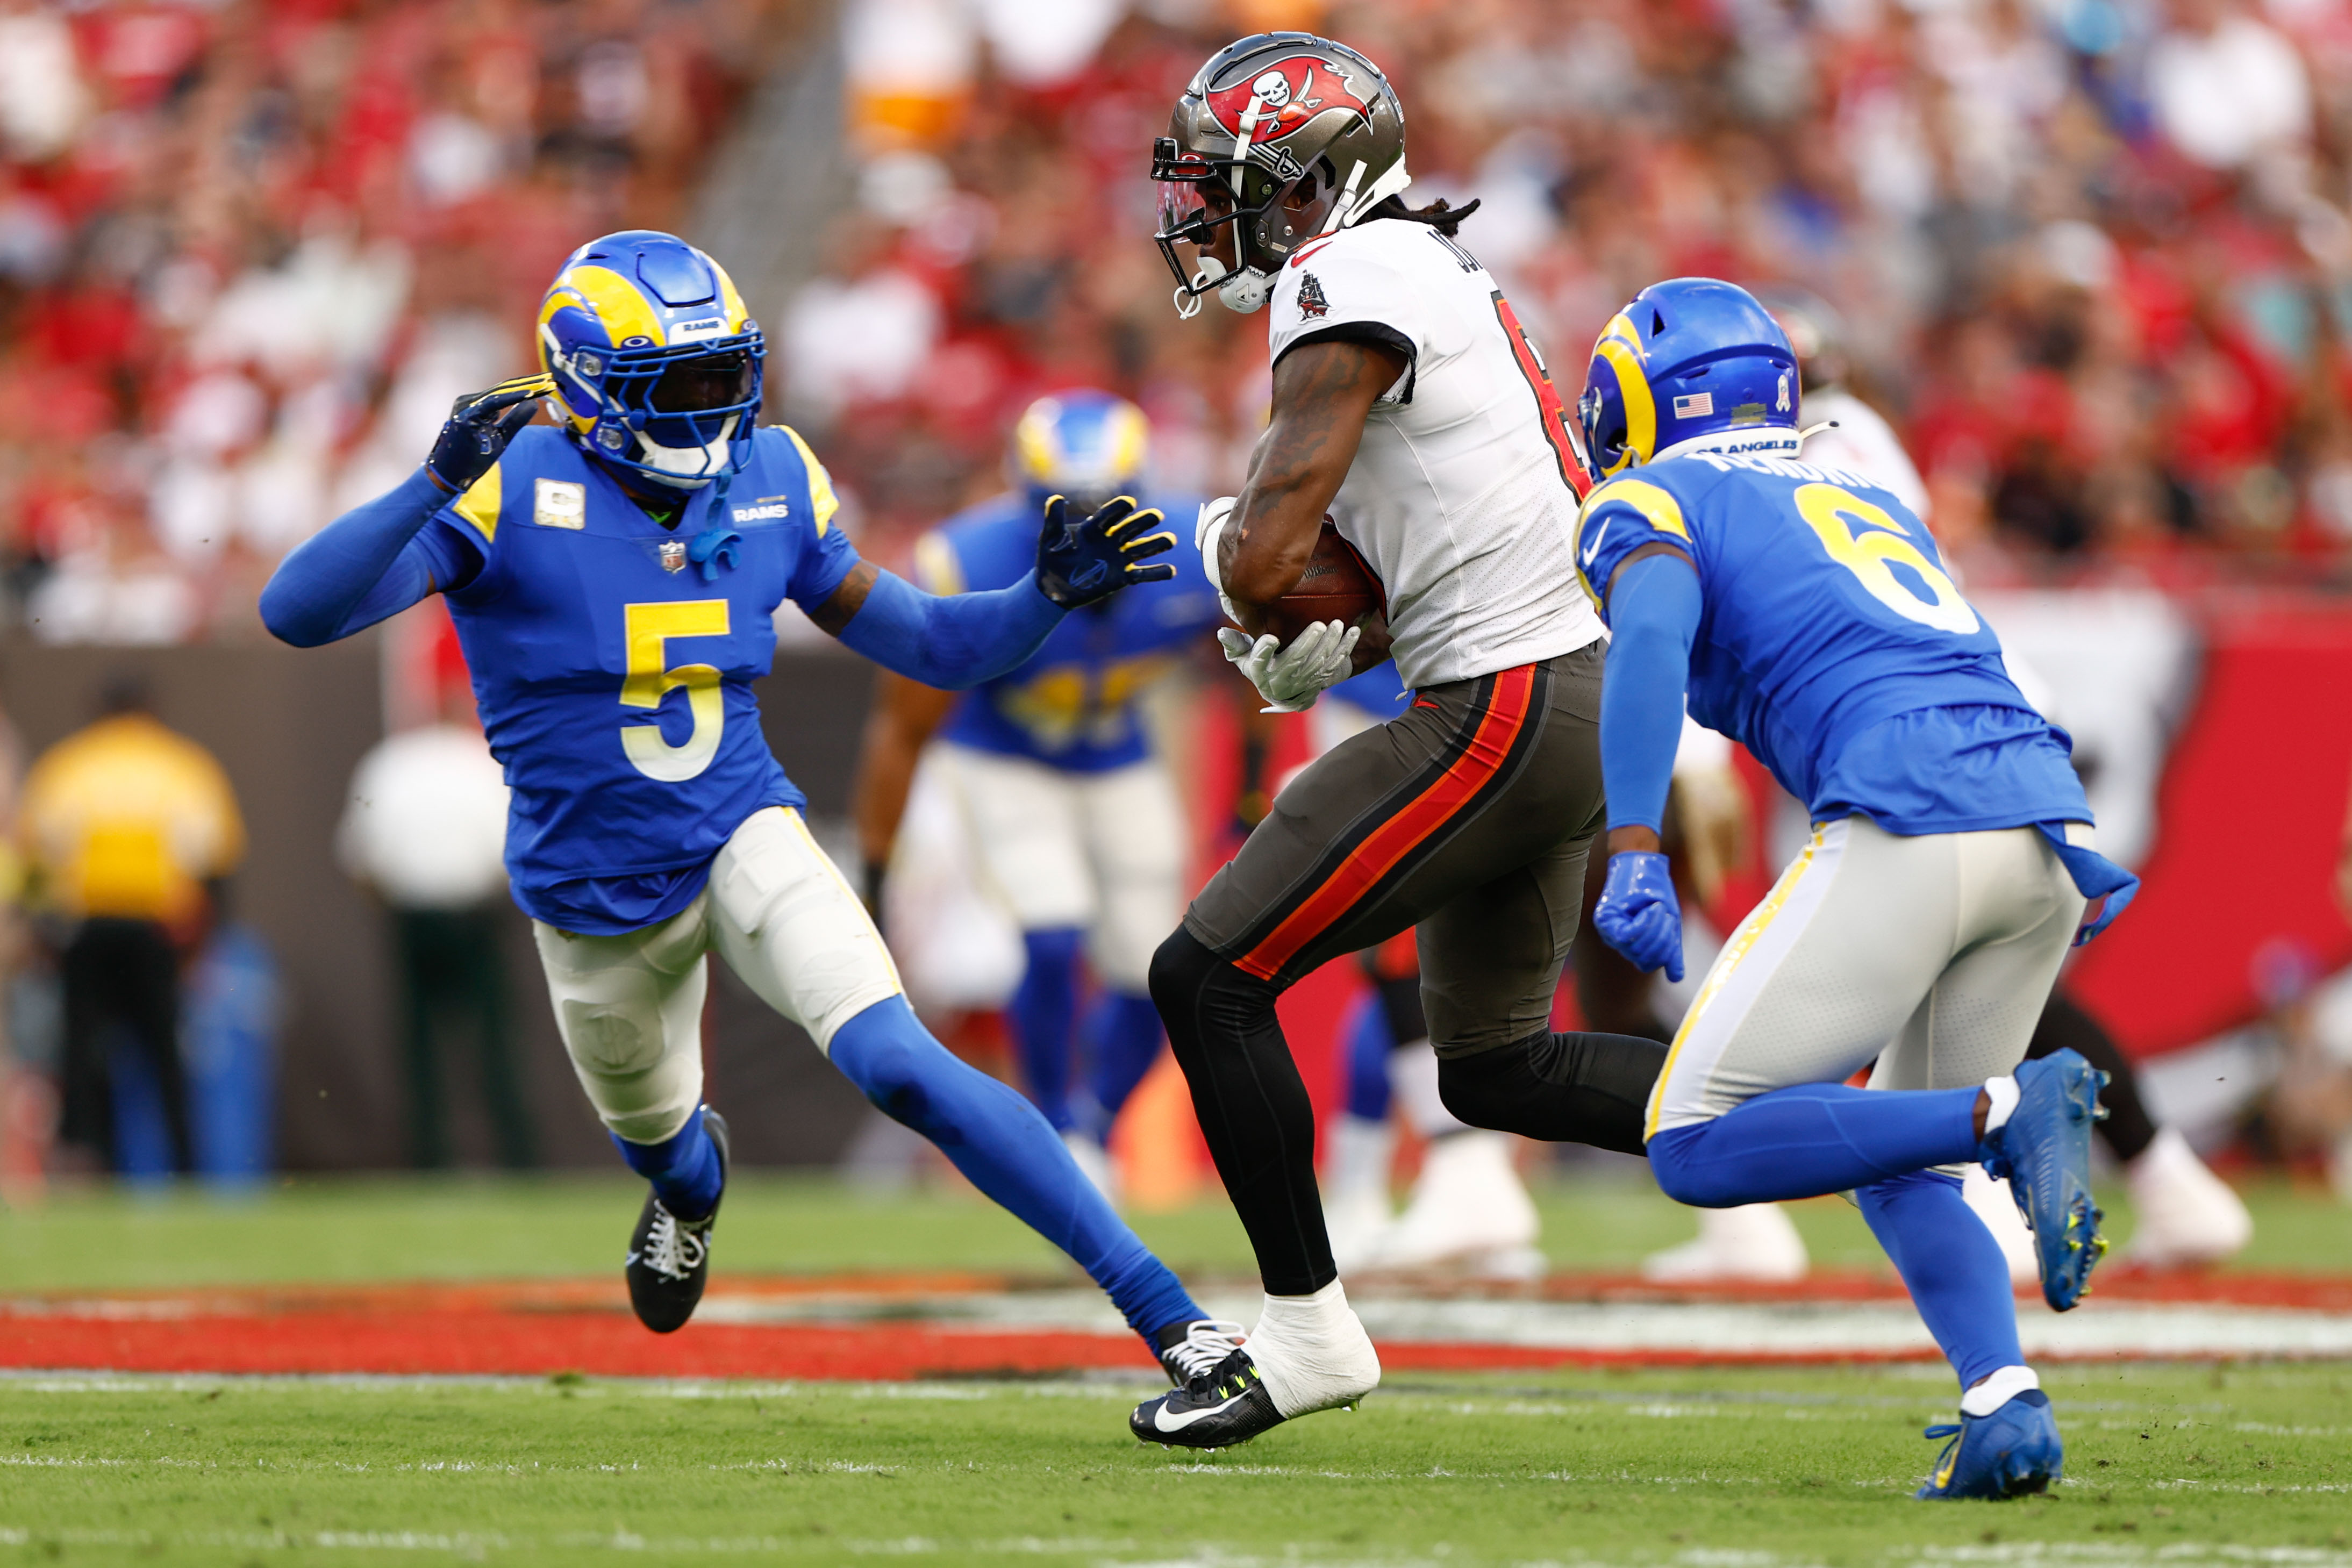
x=538 y=1327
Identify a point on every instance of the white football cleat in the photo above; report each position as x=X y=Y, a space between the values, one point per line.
x=2184 y=1216
x=1753 y=1241
x=1469 y=1211
x=1094 y=1162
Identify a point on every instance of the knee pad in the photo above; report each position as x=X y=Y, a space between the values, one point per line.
x=611 y=1038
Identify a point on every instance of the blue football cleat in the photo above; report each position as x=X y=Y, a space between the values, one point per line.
x=2009 y=1453
x=2044 y=1151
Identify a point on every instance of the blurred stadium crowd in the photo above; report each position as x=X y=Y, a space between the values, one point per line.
x=250 y=252
x=2093 y=255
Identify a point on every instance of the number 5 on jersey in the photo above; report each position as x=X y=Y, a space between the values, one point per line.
x=647 y=629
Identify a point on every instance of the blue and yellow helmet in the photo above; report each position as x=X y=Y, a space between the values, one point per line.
x=657 y=366
x=1086 y=446
x=1689 y=357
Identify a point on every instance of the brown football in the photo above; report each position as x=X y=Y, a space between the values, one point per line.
x=1336 y=585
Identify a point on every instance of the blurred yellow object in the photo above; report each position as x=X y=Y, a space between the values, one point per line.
x=127 y=817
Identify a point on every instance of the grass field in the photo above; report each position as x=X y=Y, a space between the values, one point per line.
x=375 y=1230
x=1700 y=1468
x=1695 y=1469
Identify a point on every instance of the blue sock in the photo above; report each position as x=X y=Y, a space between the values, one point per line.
x=1043 y=1013
x=683 y=1167
x=1368 y=1039
x=1811 y=1139
x=1951 y=1265
x=1005 y=1147
x=1123 y=1040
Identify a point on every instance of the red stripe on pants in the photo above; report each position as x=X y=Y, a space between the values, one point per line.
x=1424 y=814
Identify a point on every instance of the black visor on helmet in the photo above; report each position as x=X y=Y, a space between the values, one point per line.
x=709 y=381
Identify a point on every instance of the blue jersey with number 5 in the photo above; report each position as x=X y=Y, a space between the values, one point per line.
x=614 y=678
x=1832 y=645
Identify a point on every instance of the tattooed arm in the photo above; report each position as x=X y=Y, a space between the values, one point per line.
x=1322 y=392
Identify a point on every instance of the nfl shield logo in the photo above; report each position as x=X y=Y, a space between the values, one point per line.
x=673 y=554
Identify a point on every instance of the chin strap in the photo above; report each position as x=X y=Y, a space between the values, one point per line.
x=1811 y=430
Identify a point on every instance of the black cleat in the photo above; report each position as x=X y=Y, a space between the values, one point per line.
x=1228 y=1405
x=669 y=1258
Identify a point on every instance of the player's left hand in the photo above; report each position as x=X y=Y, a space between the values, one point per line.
x=1094 y=558
x=1639 y=914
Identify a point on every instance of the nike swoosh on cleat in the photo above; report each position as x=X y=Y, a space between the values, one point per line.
x=1160 y=1417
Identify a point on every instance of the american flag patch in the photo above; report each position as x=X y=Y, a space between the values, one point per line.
x=1694 y=406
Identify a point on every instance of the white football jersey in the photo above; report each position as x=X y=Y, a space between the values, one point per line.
x=1460 y=495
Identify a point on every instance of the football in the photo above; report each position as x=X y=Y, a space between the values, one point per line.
x=1336 y=585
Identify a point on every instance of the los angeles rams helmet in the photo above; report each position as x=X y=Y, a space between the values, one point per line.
x=1691 y=357
x=1085 y=445
x=657 y=366
x=1263 y=115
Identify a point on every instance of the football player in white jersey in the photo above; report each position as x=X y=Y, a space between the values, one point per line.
x=1409 y=407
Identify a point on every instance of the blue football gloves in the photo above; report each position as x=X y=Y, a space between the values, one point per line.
x=1092 y=559
x=1638 y=913
x=481 y=425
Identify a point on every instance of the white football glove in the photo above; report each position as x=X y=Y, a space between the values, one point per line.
x=1208 y=530
x=1291 y=678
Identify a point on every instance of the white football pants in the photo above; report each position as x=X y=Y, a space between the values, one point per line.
x=630 y=1007
x=1934 y=954
x=1101 y=852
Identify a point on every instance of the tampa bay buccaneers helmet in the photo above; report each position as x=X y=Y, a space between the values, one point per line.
x=657 y=366
x=1263 y=116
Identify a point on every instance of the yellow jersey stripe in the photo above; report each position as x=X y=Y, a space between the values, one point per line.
x=480 y=505
x=822 y=500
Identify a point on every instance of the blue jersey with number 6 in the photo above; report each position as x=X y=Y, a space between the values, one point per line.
x=613 y=674
x=1832 y=645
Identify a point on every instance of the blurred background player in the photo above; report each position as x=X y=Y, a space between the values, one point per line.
x=1469 y=1210
x=425 y=830
x=2184 y=1215
x=129 y=828
x=1071 y=816
x=637 y=553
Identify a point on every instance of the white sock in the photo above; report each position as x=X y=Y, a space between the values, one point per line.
x=1998 y=1390
x=2002 y=1092
x=1313 y=1352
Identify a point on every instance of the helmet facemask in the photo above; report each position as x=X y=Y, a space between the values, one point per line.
x=670 y=413
x=1199 y=203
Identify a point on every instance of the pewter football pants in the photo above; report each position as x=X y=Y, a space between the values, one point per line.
x=1932 y=954
x=630 y=1007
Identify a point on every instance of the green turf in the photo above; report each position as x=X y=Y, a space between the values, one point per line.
x=1691 y=1470
x=453 y=1228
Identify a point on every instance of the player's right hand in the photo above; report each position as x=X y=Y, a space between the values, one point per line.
x=480 y=424
x=1291 y=678
x=1639 y=914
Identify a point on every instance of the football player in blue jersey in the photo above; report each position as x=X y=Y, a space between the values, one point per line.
x=612 y=578
x=1804 y=612
x=1076 y=825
